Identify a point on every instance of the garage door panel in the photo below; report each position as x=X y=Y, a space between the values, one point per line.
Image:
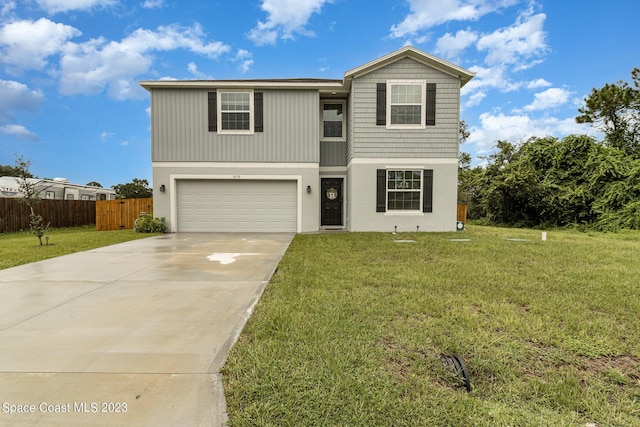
x=237 y=205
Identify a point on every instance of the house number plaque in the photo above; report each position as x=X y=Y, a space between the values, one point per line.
x=332 y=194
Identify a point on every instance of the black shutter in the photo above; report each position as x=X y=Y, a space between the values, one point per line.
x=258 y=124
x=381 y=191
x=213 y=112
x=381 y=104
x=427 y=191
x=431 y=105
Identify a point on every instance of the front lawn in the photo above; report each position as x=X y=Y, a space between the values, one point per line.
x=22 y=247
x=351 y=329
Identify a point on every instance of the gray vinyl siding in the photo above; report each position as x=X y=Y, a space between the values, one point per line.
x=333 y=153
x=350 y=119
x=180 y=132
x=367 y=140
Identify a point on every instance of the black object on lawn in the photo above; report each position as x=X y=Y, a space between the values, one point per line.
x=457 y=366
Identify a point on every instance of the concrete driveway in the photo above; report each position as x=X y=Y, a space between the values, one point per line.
x=129 y=334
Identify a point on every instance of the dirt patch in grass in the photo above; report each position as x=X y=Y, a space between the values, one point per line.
x=396 y=359
x=627 y=366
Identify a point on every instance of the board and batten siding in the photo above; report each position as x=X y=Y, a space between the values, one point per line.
x=180 y=132
x=333 y=153
x=368 y=140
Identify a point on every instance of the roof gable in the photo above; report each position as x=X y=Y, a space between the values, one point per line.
x=410 y=52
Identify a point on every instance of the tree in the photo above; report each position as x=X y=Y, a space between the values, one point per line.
x=7 y=170
x=30 y=197
x=615 y=109
x=576 y=181
x=464 y=159
x=94 y=184
x=136 y=189
x=467 y=177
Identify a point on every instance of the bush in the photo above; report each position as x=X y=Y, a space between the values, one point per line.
x=147 y=223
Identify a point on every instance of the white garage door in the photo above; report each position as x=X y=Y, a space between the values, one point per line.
x=237 y=205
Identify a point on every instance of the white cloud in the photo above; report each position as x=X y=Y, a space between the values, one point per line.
x=245 y=66
x=193 y=69
x=53 y=6
x=550 y=98
x=451 y=45
x=536 y=84
x=475 y=99
x=7 y=7
x=19 y=131
x=153 y=4
x=285 y=18
x=519 y=127
x=514 y=48
x=92 y=66
x=517 y=43
x=28 y=44
x=172 y=37
x=15 y=96
x=245 y=58
x=425 y=14
x=495 y=77
x=104 y=135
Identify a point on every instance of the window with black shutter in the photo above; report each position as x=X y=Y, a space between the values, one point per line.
x=404 y=190
x=405 y=104
x=235 y=111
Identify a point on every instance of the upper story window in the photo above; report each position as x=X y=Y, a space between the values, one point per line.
x=333 y=120
x=406 y=103
x=235 y=112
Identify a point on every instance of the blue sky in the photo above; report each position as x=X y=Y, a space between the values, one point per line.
x=69 y=69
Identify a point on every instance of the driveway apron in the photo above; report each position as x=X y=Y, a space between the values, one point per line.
x=129 y=334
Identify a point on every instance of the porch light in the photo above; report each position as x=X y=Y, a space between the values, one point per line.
x=162 y=188
x=308 y=189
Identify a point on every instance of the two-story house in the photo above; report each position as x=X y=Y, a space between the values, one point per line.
x=371 y=152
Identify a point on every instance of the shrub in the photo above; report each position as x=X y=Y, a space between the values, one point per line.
x=147 y=223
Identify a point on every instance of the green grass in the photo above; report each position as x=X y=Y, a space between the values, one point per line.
x=23 y=247
x=350 y=331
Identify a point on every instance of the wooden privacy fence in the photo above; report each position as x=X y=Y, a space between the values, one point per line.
x=462 y=213
x=120 y=214
x=14 y=215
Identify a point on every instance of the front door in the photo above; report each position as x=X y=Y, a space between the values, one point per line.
x=331 y=202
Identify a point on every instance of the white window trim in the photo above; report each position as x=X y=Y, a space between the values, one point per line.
x=250 y=131
x=344 y=120
x=423 y=104
x=417 y=211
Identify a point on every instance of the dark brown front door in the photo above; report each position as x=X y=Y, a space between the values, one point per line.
x=331 y=202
